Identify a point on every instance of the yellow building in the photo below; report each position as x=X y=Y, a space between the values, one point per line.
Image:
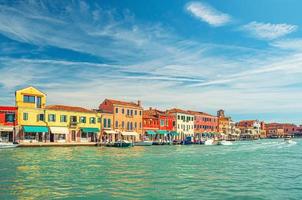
x=72 y=124
x=30 y=103
x=54 y=123
x=108 y=135
x=127 y=118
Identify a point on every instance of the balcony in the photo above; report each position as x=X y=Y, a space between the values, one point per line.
x=73 y=124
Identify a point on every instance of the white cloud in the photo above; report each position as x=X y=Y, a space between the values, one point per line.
x=268 y=31
x=208 y=14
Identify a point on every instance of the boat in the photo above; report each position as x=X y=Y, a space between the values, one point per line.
x=143 y=143
x=289 y=140
x=122 y=143
x=209 y=142
x=6 y=145
x=224 y=142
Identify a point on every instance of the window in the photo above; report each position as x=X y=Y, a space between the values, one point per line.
x=140 y=112
x=162 y=122
x=135 y=125
x=73 y=119
x=92 y=120
x=9 y=117
x=109 y=123
x=116 y=110
x=131 y=112
x=51 y=118
x=105 y=123
x=25 y=116
x=40 y=117
x=29 y=99
x=123 y=110
x=63 y=118
x=174 y=123
x=82 y=119
x=178 y=116
x=135 y=112
x=38 y=102
x=99 y=120
x=123 y=124
x=128 y=112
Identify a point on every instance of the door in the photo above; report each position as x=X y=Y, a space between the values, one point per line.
x=52 y=137
x=40 y=137
x=73 y=136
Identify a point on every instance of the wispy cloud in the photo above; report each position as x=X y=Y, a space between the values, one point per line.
x=268 y=31
x=208 y=14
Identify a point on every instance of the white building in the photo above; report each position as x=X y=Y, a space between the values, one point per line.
x=184 y=125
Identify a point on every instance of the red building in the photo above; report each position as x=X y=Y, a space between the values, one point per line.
x=280 y=129
x=8 y=123
x=156 y=120
x=204 y=122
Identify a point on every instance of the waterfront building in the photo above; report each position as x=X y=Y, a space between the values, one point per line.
x=234 y=132
x=127 y=118
x=204 y=123
x=31 y=103
x=184 y=123
x=223 y=122
x=275 y=130
x=72 y=124
x=250 y=129
x=108 y=135
x=158 y=124
x=8 y=123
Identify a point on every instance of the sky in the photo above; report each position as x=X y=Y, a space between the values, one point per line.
x=241 y=56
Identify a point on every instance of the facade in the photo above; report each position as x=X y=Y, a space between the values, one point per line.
x=223 y=122
x=204 y=122
x=8 y=123
x=274 y=130
x=54 y=123
x=72 y=124
x=127 y=118
x=184 y=125
x=250 y=129
x=108 y=135
x=31 y=103
x=158 y=124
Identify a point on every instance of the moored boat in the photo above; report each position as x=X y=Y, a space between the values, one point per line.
x=122 y=143
x=6 y=145
x=143 y=143
x=209 y=142
x=224 y=142
x=289 y=140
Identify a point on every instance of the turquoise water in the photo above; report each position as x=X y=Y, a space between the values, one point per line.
x=266 y=169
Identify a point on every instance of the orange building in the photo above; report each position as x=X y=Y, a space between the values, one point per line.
x=127 y=118
x=223 y=122
x=280 y=129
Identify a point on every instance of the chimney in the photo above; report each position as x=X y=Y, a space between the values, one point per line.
x=150 y=108
x=139 y=103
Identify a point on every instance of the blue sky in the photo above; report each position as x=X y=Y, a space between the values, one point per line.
x=242 y=56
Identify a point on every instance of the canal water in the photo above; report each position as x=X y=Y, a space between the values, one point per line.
x=263 y=169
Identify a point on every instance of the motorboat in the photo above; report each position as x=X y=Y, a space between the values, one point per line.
x=143 y=143
x=209 y=142
x=122 y=143
x=6 y=145
x=224 y=142
x=289 y=140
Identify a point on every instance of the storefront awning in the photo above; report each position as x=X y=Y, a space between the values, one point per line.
x=35 y=129
x=151 y=133
x=6 y=128
x=110 y=132
x=162 y=132
x=173 y=133
x=125 y=133
x=90 y=130
x=58 y=130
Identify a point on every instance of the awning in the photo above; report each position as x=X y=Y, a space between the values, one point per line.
x=35 y=129
x=125 y=133
x=6 y=128
x=90 y=130
x=110 y=132
x=58 y=130
x=173 y=133
x=162 y=132
x=151 y=133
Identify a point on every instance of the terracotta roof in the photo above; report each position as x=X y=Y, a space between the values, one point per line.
x=125 y=103
x=68 y=108
x=177 y=110
x=200 y=113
